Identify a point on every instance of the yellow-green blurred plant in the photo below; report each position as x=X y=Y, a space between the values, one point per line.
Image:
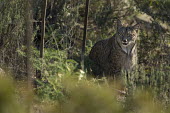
x=81 y=96
x=8 y=97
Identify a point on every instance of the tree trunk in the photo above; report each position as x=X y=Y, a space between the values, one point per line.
x=28 y=38
x=43 y=15
x=84 y=34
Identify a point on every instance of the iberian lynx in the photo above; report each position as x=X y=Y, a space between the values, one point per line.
x=118 y=52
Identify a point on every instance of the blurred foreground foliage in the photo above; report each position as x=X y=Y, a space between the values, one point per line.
x=81 y=96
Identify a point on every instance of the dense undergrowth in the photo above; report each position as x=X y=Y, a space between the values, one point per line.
x=65 y=88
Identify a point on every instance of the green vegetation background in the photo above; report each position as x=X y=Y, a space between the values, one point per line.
x=64 y=86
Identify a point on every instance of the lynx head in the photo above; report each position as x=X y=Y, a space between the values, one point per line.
x=126 y=37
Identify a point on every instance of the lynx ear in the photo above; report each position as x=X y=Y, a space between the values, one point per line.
x=119 y=24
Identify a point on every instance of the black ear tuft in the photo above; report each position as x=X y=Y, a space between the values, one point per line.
x=119 y=24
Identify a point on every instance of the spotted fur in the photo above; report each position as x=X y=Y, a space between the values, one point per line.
x=116 y=53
